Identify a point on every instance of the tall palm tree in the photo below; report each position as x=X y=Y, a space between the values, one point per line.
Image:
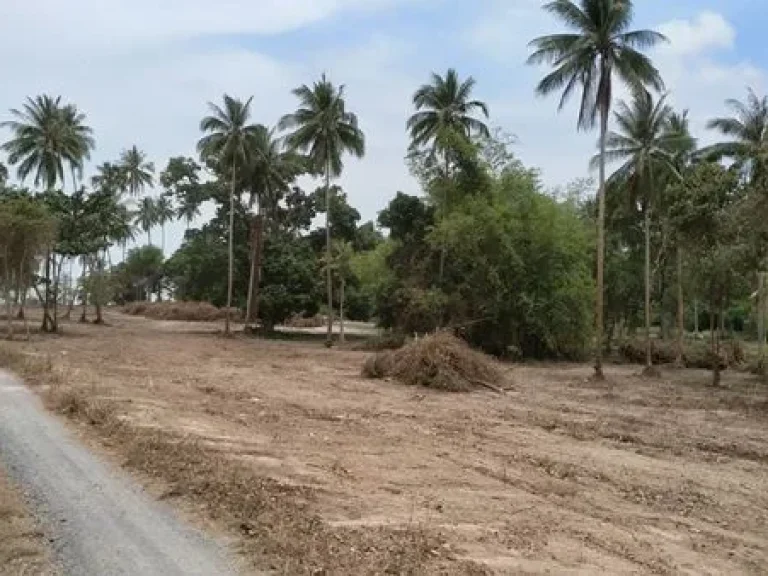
x=46 y=136
x=139 y=173
x=325 y=130
x=747 y=132
x=587 y=59
x=80 y=140
x=646 y=147
x=270 y=174
x=164 y=213
x=444 y=106
x=146 y=216
x=229 y=139
x=678 y=129
x=747 y=146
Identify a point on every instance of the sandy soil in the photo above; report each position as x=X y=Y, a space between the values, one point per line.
x=561 y=475
x=22 y=545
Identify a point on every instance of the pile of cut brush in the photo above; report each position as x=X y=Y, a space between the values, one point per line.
x=695 y=354
x=181 y=311
x=439 y=361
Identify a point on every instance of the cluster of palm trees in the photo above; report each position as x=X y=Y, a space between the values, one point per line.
x=317 y=136
x=652 y=141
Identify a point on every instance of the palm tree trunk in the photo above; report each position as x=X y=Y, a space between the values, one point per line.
x=444 y=211
x=647 y=228
x=680 y=309
x=761 y=320
x=251 y=275
x=47 y=325
x=8 y=302
x=600 y=247
x=328 y=279
x=231 y=249
x=99 y=289
x=341 y=311
x=84 y=315
x=149 y=236
x=254 y=284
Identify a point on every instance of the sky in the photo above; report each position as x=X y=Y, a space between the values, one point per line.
x=143 y=70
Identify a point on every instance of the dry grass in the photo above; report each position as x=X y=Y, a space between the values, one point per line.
x=439 y=361
x=22 y=548
x=275 y=521
x=299 y=321
x=285 y=443
x=178 y=311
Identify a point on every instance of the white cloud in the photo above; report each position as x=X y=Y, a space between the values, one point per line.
x=706 y=31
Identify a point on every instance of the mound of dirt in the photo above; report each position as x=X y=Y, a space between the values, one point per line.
x=182 y=311
x=439 y=361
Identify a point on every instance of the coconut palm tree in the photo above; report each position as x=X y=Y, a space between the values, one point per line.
x=229 y=139
x=47 y=136
x=164 y=213
x=646 y=147
x=443 y=106
x=600 y=47
x=146 y=216
x=325 y=130
x=139 y=173
x=747 y=132
x=270 y=174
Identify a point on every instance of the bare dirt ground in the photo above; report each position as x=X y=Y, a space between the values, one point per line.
x=22 y=545
x=561 y=475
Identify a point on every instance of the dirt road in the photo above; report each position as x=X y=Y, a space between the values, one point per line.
x=99 y=523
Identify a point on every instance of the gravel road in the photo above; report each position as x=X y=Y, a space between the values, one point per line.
x=100 y=523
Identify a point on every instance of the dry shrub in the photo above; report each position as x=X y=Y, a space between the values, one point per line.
x=695 y=354
x=299 y=321
x=180 y=311
x=439 y=361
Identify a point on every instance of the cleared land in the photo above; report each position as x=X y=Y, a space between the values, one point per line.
x=22 y=545
x=320 y=471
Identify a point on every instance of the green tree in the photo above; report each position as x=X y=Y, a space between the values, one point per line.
x=164 y=213
x=229 y=140
x=747 y=133
x=137 y=171
x=646 y=147
x=46 y=136
x=587 y=59
x=445 y=106
x=269 y=176
x=146 y=217
x=181 y=181
x=323 y=128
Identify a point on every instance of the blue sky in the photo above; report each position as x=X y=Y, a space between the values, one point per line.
x=142 y=70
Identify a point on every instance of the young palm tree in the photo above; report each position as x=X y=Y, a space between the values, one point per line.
x=139 y=173
x=164 y=213
x=445 y=106
x=647 y=149
x=188 y=211
x=587 y=59
x=79 y=138
x=146 y=216
x=229 y=139
x=324 y=129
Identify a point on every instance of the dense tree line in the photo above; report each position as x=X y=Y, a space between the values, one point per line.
x=673 y=238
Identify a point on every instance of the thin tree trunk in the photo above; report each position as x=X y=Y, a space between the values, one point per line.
x=761 y=320
x=600 y=247
x=696 y=317
x=8 y=301
x=99 y=289
x=227 y=319
x=680 y=309
x=57 y=266
x=328 y=279
x=23 y=295
x=444 y=211
x=341 y=311
x=712 y=326
x=84 y=315
x=258 y=257
x=716 y=349
x=251 y=275
x=647 y=227
x=149 y=236
x=46 y=318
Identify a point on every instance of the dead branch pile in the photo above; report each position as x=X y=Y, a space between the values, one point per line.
x=182 y=311
x=439 y=361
